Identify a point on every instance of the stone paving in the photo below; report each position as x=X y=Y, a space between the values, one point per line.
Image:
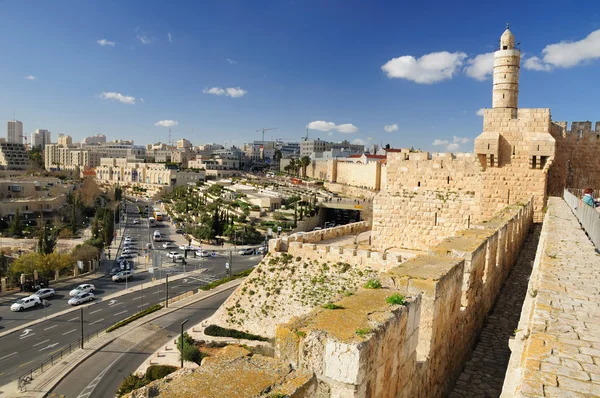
x=483 y=375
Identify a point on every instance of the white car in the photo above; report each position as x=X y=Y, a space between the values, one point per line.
x=81 y=298
x=136 y=221
x=126 y=250
x=187 y=247
x=25 y=303
x=121 y=276
x=166 y=245
x=44 y=293
x=261 y=250
x=85 y=288
x=172 y=254
x=203 y=253
x=179 y=256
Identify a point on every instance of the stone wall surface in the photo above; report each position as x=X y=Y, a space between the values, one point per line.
x=359 y=175
x=556 y=350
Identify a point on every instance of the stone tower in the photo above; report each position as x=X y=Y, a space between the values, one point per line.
x=507 y=62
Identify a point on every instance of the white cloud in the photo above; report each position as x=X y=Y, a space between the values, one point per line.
x=567 y=54
x=391 y=128
x=480 y=112
x=170 y=37
x=534 y=63
x=330 y=133
x=118 y=97
x=321 y=125
x=233 y=92
x=231 y=61
x=451 y=146
x=358 y=141
x=105 y=43
x=430 y=68
x=30 y=77
x=166 y=123
x=145 y=39
x=481 y=67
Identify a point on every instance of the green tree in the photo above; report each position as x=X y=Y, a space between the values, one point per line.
x=85 y=252
x=45 y=264
x=16 y=225
x=304 y=163
x=277 y=157
x=108 y=226
x=46 y=240
x=118 y=193
x=36 y=158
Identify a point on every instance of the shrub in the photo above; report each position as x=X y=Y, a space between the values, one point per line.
x=214 y=330
x=134 y=317
x=155 y=372
x=130 y=383
x=187 y=340
x=192 y=353
x=373 y=284
x=395 y=299
x=362 y=332
x=331 y=306
x=214 y=284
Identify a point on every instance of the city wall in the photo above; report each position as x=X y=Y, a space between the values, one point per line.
x=369 y=348
x=359 y=175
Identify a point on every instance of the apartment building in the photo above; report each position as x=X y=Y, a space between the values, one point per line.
x=13 y=156
x=40 y=138
x=14 y=131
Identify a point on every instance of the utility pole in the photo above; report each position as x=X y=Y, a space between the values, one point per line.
x=81 y=323
x=182 y=323
x=167 y=292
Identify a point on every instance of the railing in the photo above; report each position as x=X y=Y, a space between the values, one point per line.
x=588 y=217
x=57 y=356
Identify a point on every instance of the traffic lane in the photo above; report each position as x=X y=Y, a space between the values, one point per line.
x=29 y=347
x=102 y=374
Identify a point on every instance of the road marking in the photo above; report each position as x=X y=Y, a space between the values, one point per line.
x=9 y=355
x=6 y=323
x=70 y=331
x=25 y=336
x=53 y=326
x=93 y=312
x=157 y=292
x=73 y=319
x=49 y=346
x=26 y=363
x=42 y=342
x=140 y=306
x=136 y=298
x=99 y=320
x=28 y=316
x=112 y=302
x=122 y=312
x=119 y=303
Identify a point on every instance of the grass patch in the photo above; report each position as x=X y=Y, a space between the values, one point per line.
x=214 y=330
x=331 y=306
x=362 y=332
x=214 y=284
x=373 y=284
x=396 y=299
x=134 y=317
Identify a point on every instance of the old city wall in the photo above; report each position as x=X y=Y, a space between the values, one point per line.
x=427 y=197
x=320 y=170
x=359 y=175
x=369 y=348
x=577 y=161
x=355 y=192
x=523 y=155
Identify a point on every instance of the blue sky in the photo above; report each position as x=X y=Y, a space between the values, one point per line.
x=223 y=69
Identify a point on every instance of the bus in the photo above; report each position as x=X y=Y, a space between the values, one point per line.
x=158 y=215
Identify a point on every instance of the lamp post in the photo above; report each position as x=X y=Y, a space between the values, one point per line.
x=182 y=323
x=81 y=323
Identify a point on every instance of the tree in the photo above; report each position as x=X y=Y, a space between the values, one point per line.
x=46 y=240
x=16 y=225
x=90 y=192
x=277 y=157
x=45 y=264
x=304 y=163
x=85 y=252
x=36 y=158
x=118 y=193
x=108 y=226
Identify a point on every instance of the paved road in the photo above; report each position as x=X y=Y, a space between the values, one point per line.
x=101 y=374
x=26 y=348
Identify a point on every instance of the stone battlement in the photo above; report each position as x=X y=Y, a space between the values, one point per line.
x=579 y=130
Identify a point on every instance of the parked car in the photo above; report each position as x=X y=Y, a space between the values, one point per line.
x=114 y=270
x=124 y=265
x=85 y=288
x=179 y=256
x=179 y=231
x=166 y=245
x=44 y=293
x=121 y=276
x=120 y=259
x=24 y=303
x=81 y=298
x=246 y=251
x=126 y=250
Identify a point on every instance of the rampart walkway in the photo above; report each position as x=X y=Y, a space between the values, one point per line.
x=556 y=351
x=483 y=374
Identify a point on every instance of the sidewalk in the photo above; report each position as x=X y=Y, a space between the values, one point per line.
x=43 y=383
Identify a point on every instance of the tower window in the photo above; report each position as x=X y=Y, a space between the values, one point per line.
x=505 y=47
x=502 y=96
x=505 y=76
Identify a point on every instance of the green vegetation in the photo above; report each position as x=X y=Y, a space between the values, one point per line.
x=192 y=353
x=331 y=306
x=214 y=330
x=396 y=299
x=155 y=372
x=373 y=284
x=45 y=264
x=362 y=332
x=219 y=282
x=130 y=383
x=134 y=317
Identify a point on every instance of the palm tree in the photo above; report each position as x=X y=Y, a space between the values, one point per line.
x=293 y=166
x=304 y=162
x=277 y=157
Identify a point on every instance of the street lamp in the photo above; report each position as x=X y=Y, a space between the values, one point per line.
x=182 y=323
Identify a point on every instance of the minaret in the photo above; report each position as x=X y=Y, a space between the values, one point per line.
x=506 y=73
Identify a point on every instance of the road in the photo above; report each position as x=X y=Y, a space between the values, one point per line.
x=101 y=375
x=26 y=348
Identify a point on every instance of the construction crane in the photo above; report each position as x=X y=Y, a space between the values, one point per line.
x=305 y=138
x=263 y=132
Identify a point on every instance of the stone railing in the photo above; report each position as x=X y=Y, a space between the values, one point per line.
x=370 y=348
x=588 y=217
x=282 y=244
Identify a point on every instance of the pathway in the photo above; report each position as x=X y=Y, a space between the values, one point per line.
x=483 y=375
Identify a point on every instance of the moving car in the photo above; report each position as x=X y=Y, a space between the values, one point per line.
x=136 y=221
x=203 y=253
x=187 y=247
x=24 y=303
x=85 y=288
x=121 y=276
x=114 y=270
x=44 y=293
x=126 y=250
x=172 y=254
x=156 y=236
x=166 y=245
x=261 y=250
x=247 y=251
x=81 y=298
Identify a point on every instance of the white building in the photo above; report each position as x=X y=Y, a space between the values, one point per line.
x=40 y=138
x=14 y=132
x=184 y=144
x=95 y=139
x=65 y=140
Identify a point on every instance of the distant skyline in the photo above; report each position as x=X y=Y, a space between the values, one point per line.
x=219 y=70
